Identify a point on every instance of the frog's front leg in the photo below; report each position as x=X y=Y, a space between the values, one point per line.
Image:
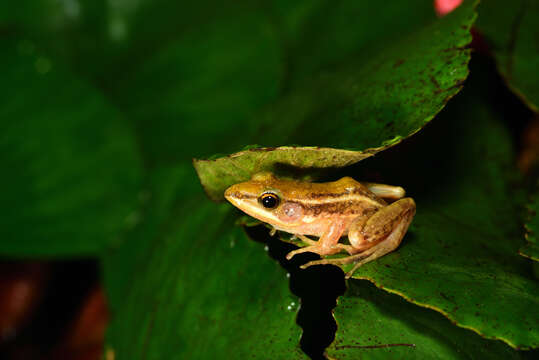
x=379 y=235
x=327 y=244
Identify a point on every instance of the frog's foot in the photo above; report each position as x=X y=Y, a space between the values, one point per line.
x=303 y=238
x=338 y=261
x=377 y=250
x=306 y=240
x=311 y=248
x=328 y=243
x=316 y=248
x=273 y=231
x=373 y=253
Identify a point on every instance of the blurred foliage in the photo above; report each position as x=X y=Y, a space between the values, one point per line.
x=531 y=249
x=511 y=31
x=74 y=171
x=365 y=317
x=105 y=103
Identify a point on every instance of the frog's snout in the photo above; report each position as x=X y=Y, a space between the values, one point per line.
x=229 y=193
x=241 y=194
x=233 y=194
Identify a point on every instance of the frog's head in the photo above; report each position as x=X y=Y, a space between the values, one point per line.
x=265 y=197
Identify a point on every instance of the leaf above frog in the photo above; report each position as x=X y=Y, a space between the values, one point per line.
x=369 y=100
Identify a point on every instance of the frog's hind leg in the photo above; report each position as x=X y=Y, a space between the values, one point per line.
x=393 y=223
x=378 y=250
x=384 y=247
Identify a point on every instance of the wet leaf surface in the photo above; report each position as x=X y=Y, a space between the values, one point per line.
x=202 y=287
x=375 y=325
x=460 y=256
x=510 y=29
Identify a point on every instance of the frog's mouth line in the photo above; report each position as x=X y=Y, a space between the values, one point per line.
x=252 y=208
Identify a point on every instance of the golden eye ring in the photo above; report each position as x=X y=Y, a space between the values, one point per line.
x=269 y=200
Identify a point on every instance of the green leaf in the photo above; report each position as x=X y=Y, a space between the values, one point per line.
x=531 y=249
x=460 y=256
x=375 y=325
x=195 y=94
x=23 y=15
x=72 y=170
x=187 y=283
x=216 y=175
x=510 y=29
x=376 y=89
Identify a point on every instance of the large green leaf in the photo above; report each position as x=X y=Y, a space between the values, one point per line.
x=203 y=85
x=381 y=326
x=460 y=256
x=510 y=28
x=71 y=170
x=187 y=283
x=531 y=249
x=375 y=89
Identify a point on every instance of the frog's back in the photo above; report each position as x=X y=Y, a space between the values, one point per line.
x=341 y=188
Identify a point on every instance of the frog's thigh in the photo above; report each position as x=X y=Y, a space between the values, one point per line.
x=391 y=220
x=386 y=246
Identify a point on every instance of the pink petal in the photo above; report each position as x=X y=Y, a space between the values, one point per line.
x=444 y=7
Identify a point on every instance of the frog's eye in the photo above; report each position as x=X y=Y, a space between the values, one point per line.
x=269 y=200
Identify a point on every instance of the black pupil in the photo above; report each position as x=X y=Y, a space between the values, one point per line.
x=269 y=201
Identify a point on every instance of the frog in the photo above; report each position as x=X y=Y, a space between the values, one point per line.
x=373 y=217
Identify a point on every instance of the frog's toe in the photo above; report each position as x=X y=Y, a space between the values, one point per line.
x=316 y=262
x=337 y=261
x=293 y=253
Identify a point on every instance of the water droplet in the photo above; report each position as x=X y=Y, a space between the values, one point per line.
x=71 y=8
x=132 y=219
x=43 y=65
x=266 y=248
x=292 y=306
x=117 y=29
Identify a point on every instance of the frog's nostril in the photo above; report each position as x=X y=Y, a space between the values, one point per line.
x=231 y=192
